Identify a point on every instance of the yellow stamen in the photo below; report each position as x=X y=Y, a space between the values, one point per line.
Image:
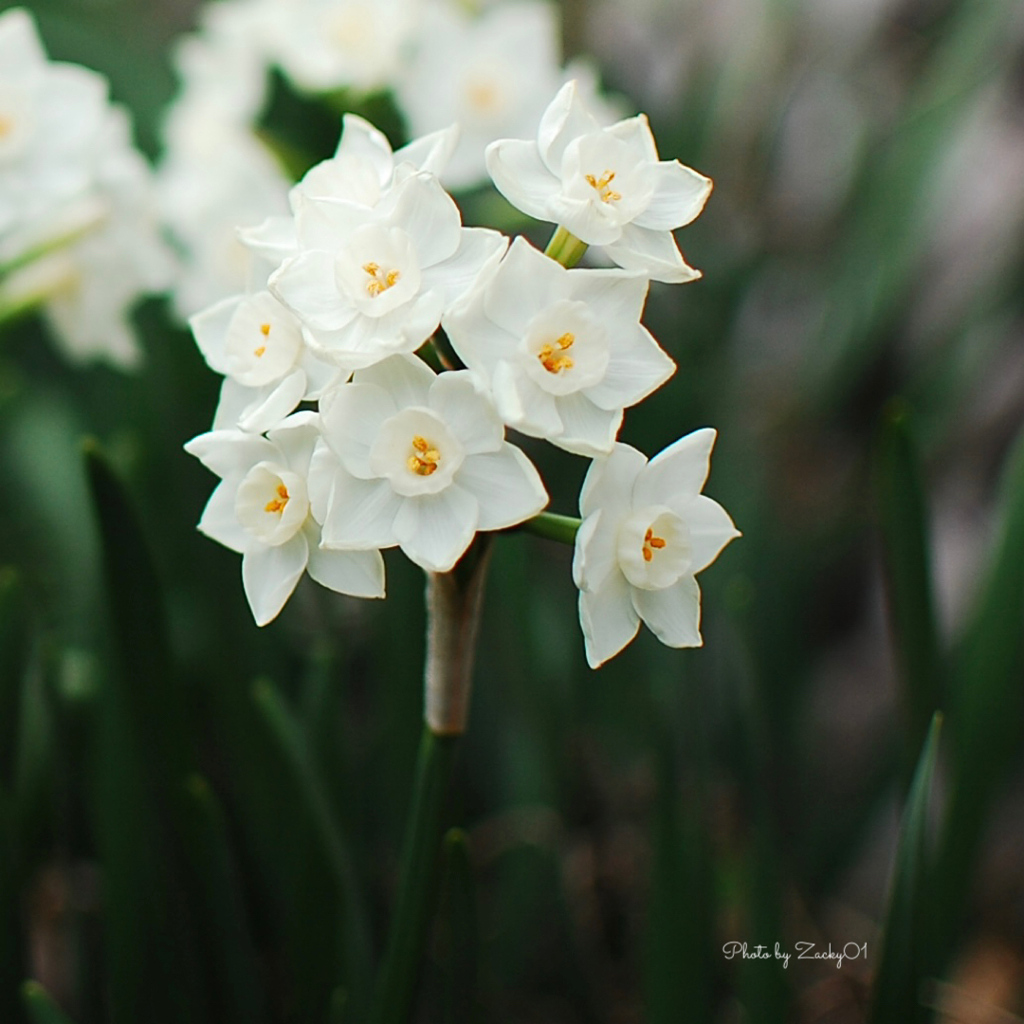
x=600 y=185
x=425 y=461
x=264 y=329
x=277 y=504
x=257 y=352
x=379 y=282
x=551 y=360
x=651 y=544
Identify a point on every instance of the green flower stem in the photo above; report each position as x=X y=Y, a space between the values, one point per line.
x=554 y=527
x=454 y=600
x=399 y=974
x=565 y=248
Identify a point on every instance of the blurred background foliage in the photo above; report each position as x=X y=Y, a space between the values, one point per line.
x=199 y=820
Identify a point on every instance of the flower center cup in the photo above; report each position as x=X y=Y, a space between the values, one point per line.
x=271 y=503
x=565 y=349
x=416 y=452
x=653 y=548
x=377 y=271
x=608 y=175
x=264 y=341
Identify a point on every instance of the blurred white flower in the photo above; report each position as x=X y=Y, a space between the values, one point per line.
x=493 y=73
x=369 y=282
x=604 y=185
x=646 y=532
x=419 y=460
x=261 y=509
x=326 y=45
x=563 y=351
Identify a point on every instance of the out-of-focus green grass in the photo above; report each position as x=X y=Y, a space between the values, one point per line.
x=200 y=820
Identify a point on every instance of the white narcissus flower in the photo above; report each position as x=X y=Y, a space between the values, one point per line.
x=604 y=185
x=418 y=460
x=262 y=509
x=563 y=351
x=257 y=344
x=647 y=531
x=369 y=282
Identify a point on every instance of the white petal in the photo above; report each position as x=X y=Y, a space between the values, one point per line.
x=677 y=474
x=406 y=378
x=608 y=619
x=228 y=452
x=361 y=141
x=295 y=438
x=506 y=484
x=273 y=403
x=609 y=482
x=219 y=521
x=565 y=119
x=672 y=614
x=638 y=366
x=359 y=573
x=430 y=217
x=679 y=196
x=526 y=281
x=468 y=411
x=594 y=553
x=523 y=405
x=434 y=530
x=711 y=528
x=477 y=339
x=307 y=285
x=323 y=466
x=456 y=275
x=430 y=152
x=269 y=576
x=352 y=417
x=636 y=133
x=324 y=223
x=519 y=174
x=586 y=429
x=210 y=329
x=274 y=239
x=361 y=514
x=614 y=296
x=654 y=253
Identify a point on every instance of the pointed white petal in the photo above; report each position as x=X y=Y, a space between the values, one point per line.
x=295 y=437
x=271 y=404
x=565 y=119
x=352 y=417
x=269 y=576
x=711 y=528
x=506 y=485
x=430 y=152
x=608 y=619
x=523 y=405
x=672 y=614
x=210 y=329
x=358 y=573
x=586 y=428
x=219 y=521
x=593 y=556
x=467 y=410
x=306 y=284
x=526 y=281
x=614 y=296
x=454 y=276
x=609 y=482
x=434 y=530
x=677 y=474
x=679 y=196
x=638 y=366
x=361 y=141
x=519 y=174
x=228 y=452
x=406 y=378
x=361 y=514
x=654 y=253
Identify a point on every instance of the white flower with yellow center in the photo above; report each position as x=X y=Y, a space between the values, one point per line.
x=563 y=351
x=369 y=282
x=257 y=344
x=647 y=531
x=418 y=460
x=604 y=185
x=262 y=509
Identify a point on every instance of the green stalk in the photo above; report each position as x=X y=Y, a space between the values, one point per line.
x=453 y=612
x=553 y=527
x=565 y=248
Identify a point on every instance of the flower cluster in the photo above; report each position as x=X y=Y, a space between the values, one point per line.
x=382 y=348
x=79 y=235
